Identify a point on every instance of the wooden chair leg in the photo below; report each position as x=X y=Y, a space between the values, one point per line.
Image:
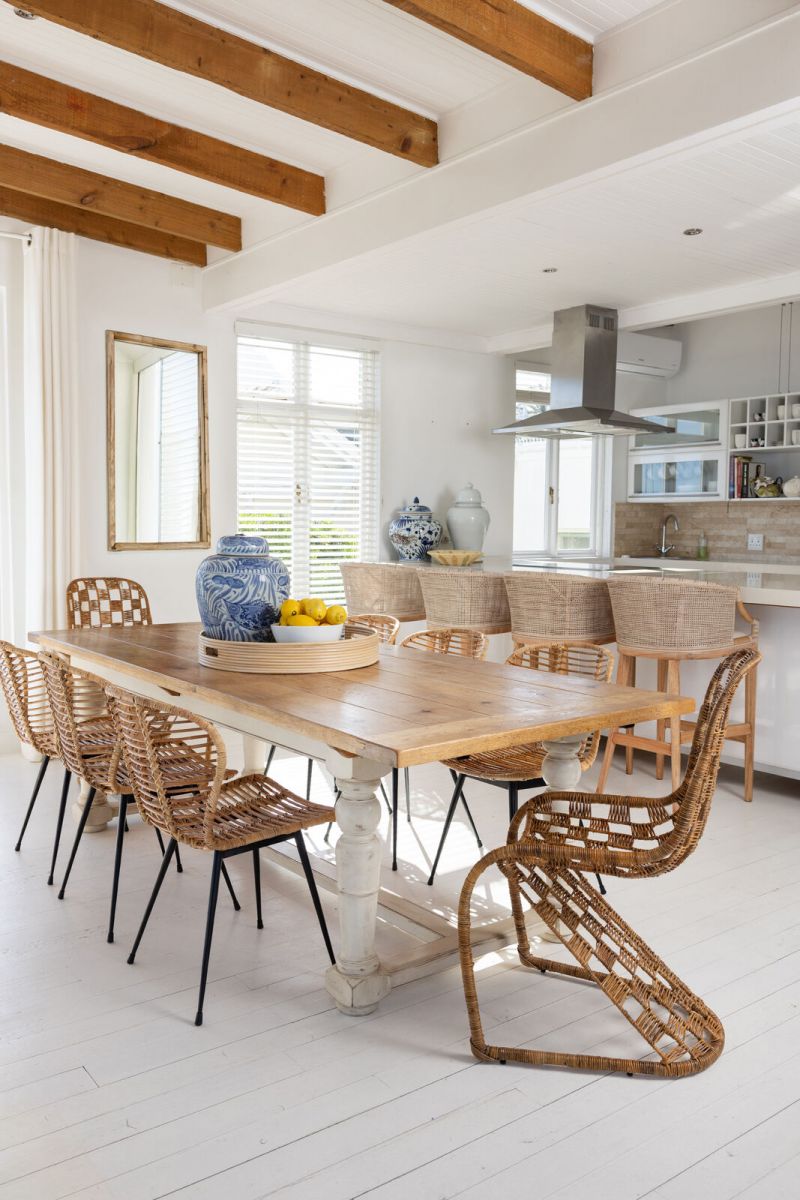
x=750 y=683
x=674 y=688
x=661 y=726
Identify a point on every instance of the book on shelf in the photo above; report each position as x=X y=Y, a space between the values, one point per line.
x=739 y=477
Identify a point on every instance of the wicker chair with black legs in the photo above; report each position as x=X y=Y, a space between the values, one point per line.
x=559 y=837
x=520 y=768
x=25 y=694
x=101 y=601
x=465 y=643
x=89 y=747
x=225 y=817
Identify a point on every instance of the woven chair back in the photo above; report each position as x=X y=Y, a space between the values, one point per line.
x=385 y=626
x=383 y=588
x=100 y=602
x=75 y=699
x=25 y=695
x=175 y=762
x=565 y=658
x=673 y=614
x=468 y=643
x=549 y=606
x=465 y=598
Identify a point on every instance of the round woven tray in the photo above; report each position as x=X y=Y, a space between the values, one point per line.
x=358 y=648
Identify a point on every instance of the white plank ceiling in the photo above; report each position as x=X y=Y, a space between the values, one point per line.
x=589 y=18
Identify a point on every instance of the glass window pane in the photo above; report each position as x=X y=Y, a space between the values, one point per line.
x=677 y=477
x=530 y=495
x=575 y=489
x=265 y=370
x=681 y=429
x=335 y=376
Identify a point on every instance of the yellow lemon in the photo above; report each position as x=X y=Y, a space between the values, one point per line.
x=313 y=607
x=300 y=619
x=289 y=608
x=336 y=615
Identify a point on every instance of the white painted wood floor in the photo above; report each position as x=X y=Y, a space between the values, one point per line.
x=109 y=1092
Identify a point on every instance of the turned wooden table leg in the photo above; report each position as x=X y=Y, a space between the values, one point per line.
x=561 y=771
x=356 y=982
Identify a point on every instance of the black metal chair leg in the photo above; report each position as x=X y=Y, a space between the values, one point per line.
x=160 y=840
x=162 y=870
x=217 y=869
x=312 y=887
x=471 y=821
x=270 y=757
x=229 y=886
x=309 y=773
x=448 y=819
x=257 y=878
x=34 y=794
x=78 y=835
x=178 y=863
x=513 y=800
x=395 y=805
x=121 y=827
x=327 y=834
x=62 y=808
x=408 y=794
x=386 y=799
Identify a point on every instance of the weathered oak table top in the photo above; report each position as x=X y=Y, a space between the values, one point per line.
x=410 y=707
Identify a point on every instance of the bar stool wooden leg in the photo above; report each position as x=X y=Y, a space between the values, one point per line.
x=674 y=688
x=623 y=676
x=750 y=738
x=661 y=726
x=630 y=682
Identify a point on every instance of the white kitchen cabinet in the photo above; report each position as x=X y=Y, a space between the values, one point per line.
x=688 y=461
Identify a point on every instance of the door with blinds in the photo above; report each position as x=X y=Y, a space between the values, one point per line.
x=307 y=454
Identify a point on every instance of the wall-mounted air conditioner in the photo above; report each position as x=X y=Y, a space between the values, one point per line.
x=642 y=354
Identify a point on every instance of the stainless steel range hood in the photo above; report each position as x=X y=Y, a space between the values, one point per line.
x=584 y=377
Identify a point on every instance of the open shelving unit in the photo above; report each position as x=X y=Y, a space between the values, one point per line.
x=771 y=419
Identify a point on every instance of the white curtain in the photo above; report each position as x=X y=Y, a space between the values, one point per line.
x=52 y=513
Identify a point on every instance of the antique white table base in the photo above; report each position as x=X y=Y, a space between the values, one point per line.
x=359 y=980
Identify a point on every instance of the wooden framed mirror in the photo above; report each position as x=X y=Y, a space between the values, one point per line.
x=157 y=453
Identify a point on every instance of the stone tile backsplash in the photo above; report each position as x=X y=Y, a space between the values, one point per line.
x=726 y=526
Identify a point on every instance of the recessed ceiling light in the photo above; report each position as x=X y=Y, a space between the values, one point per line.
x=23 y=12
x=549 y=270
x=692 y=231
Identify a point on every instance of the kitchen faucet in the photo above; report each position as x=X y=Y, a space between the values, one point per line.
x=663 y=549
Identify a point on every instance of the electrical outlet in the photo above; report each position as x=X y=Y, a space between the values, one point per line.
x=755 y=541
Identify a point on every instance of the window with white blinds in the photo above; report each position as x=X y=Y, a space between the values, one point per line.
x=180 y=435
x=307 y=452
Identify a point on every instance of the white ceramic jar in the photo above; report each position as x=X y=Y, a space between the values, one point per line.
x=468 y=520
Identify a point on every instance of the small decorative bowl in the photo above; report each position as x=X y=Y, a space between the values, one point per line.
x=307 y=633
x=456 y=558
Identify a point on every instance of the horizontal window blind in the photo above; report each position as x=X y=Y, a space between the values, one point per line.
x=180 y=448
x=307 y=434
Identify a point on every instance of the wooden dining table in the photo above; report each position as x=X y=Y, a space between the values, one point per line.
x=410 y=707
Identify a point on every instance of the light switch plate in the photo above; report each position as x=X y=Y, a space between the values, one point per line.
x=755 y=541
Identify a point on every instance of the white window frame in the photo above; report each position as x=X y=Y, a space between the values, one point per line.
x=601 y=500
x=304 y=412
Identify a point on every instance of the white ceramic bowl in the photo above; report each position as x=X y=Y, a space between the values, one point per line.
x=307 y=633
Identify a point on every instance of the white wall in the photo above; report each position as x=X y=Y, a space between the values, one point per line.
x=12 y=535
x=735 y=355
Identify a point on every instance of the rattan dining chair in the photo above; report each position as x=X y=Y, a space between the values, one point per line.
x=559 y=837
x=25 y=695
x=225 y=817
x=101 y=601
x=465 y=643
x=520 y=767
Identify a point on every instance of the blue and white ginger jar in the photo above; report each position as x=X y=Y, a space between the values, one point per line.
x=414 y=532
x=240 y=590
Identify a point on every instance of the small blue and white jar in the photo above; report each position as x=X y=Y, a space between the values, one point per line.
x=414 y=532
x=240 y=590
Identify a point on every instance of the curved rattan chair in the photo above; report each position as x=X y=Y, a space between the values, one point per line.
x=520 y=767
x=210 y=812
x=559 y=837
x=674 y=621
x=466 y=643
x=551 y=606
x=25 y=695
x=94 y=603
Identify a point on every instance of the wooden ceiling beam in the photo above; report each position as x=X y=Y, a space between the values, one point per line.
x=24 y=207
x=89 y=192
x=66 y=109
x=184 y=43
x=515 y=35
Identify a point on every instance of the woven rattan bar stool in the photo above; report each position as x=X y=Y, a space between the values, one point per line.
x=556 y=840
x=383 y=588
x=466 y=643
x=387 y=629
x=25 y=695
x=520 y=768
x=546 y=606
x=223 y=816
x=675 y=621
x=94 y=603
x=464 y=598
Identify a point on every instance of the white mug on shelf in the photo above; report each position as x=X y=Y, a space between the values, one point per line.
x=796 y=411
x=781 y=411
x=796 y=437
x=740 y=440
